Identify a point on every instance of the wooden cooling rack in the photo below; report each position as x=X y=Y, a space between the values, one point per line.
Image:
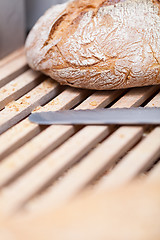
x=47 y=166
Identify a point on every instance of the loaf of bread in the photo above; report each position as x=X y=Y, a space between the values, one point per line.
x=98 y=44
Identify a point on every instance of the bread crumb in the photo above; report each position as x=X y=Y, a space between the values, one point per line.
x=54 y=102
x=47 y=84
x=17 y=106
x=93 y=103
x=14 y=84
x=4 y=90
x=13 y=106
x=121 y=135
x=37 y=109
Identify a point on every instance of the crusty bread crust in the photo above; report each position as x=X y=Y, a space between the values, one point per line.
x=97 y=44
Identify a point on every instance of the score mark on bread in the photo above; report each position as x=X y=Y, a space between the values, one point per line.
x=98 y=44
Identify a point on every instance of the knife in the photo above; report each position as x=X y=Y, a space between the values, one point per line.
x=117 y=116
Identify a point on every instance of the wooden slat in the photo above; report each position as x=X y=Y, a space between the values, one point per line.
x=44 y=142
x=25 y=130
x=18 y=87
x=12 y=69
x=138 y=160
x=61 y=161
x=17 y=110
x=12 y=56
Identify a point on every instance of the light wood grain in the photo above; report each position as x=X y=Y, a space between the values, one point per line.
x=56 y=163
x=131 y=212
x=154 y=174
x=12 y=69
x=99 y=160
x=138 y=160
x=17 y=110
x=94 y=164
x=44 y=168
x=17 y=136
x=155 y=101
x=19 y=86
x=44 y=143
x=25 y=130
x=64 y=161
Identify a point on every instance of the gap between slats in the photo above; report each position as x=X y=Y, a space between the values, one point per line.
x=143 y=94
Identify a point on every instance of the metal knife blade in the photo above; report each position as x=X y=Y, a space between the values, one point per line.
x=117 y=116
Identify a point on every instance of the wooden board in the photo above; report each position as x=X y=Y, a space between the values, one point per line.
x=45 y=167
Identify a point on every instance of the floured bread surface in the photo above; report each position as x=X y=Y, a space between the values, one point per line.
x=98 y=44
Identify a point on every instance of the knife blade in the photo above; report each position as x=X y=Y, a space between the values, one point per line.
x=117 y=116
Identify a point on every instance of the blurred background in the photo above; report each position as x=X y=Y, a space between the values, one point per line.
x=17 y=18
x=35 y=8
